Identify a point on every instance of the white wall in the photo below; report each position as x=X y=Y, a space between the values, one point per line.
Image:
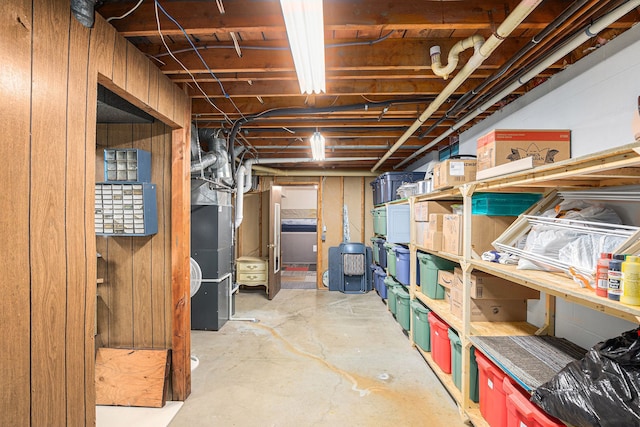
x=595 y=98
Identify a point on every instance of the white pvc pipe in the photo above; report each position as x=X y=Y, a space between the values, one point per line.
x=438 y=69
x=514 y=19
x=591 y=31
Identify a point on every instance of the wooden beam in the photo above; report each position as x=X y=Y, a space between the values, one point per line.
x=340 y=87
x=180 y=250
x=396 y=54
x=202 y=17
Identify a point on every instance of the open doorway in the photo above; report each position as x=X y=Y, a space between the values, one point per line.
x=299 y=238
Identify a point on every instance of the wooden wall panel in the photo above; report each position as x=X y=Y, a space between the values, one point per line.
x=160 y=154
x=48 y=82
x=143 y=261
x=154 y=76
x=353 y=198
x=47 y=221
x=15 y=339
x=119 y=76
x=76 y=207
x=137 y=74
x=137 y=274
x=103 y=41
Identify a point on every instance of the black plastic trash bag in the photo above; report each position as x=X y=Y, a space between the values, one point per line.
x=602 y=389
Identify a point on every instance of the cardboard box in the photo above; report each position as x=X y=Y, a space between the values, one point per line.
x=451 y=172
x=484 y=230
x=421 y=229
x=422 y=210
x=446 y=278
x=488 y=286
x=436 y=221
x=491 y=310
x=434 y=240
x=502 y=146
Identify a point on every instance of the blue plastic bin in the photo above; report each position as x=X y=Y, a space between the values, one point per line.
x=382 y=252
x=402 y=265
x=379 y=275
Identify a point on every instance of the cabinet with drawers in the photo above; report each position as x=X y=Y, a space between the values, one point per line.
x=125 y=209
x=252 y=271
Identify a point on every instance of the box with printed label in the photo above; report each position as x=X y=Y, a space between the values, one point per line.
x=422 y=210
x=451 y=172
x=488 y=286
x=446 y=278
x=484 y=230
x=502 y=146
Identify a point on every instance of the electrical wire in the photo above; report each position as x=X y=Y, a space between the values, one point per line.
x=211 y=73
x=133 y=9
x=328 y=46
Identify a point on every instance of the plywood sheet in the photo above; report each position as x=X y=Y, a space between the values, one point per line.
x=368 y=205
x=126 y=377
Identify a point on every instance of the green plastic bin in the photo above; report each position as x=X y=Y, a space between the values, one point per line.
x=403 y=312
x=391 y=258
x=456 y=366
x=456 y=358
x=429 y=266
x=392 y=299
x=474 y=382
x=380 y=220
x=421 y=327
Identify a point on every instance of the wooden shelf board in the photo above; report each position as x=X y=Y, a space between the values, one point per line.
x=450 y=193
x=557 y=284
x=442 y=309
x=502 y=328
x=476 y=417
x=446 y=379
x=450 y=257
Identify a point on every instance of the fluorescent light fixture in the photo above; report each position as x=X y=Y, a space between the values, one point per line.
x=305 y=30
x=317 y=146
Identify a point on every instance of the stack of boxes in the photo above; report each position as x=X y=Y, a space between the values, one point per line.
x=428 y=218
x=493 y=299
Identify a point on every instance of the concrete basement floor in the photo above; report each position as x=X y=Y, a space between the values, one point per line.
x=315 y=358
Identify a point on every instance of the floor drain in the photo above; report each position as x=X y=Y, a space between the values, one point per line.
x=383 y=376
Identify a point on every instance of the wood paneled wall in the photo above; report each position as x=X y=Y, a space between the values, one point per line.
x=334 y=192
x=134 y=301
x=48 y=86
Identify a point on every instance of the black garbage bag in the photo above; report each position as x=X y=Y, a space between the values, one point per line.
x=602 y=389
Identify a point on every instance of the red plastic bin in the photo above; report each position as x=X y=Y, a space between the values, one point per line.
x=493 y=399
x=521 y=412
x=440 y=345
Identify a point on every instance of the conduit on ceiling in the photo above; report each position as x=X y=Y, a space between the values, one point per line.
x=514 y=19
x=590 y=31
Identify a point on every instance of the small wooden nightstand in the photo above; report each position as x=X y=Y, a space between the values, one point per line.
x=252 y=271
